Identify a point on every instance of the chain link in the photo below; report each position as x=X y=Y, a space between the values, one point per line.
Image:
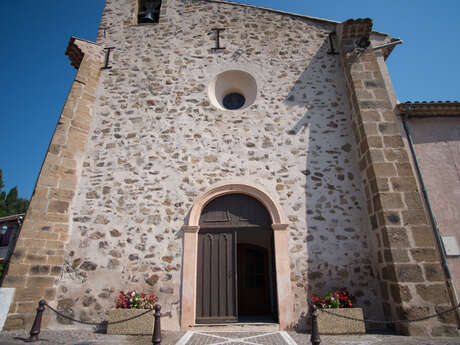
x=104 y=323
x=392 y=321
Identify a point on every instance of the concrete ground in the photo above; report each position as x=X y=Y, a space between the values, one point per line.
x=88 y=337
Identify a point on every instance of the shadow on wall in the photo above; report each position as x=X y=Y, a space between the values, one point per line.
x=335 y=237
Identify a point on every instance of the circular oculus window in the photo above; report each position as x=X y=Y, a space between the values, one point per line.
x=232 y=90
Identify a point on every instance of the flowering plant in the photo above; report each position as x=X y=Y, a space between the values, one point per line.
x=134 y=300
x=339 y=298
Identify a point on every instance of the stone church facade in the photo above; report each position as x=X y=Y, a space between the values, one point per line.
x=175 y=132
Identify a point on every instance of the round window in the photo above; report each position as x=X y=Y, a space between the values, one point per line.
x=232 y=90
x=233 y=101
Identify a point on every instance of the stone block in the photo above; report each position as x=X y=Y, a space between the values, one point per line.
x=398 y=155
x=390 y=218
x=376 y=156
x=33 y=258
x=413 y=200
x=425 y=255
x=384 y=289
x=400 y=293
x=412 y=329
x=396 y=255
x=40 y=282
x=445 y=331
x=33 y=242
x=55 y=259
x=56 y=218
x=393 y=141
x=391 y=201
x=12 y=281
x=423 y=236
x=54 y=244
x=412 y=313
x=18 y=269
x=395 y=237
x=414 y=217
x=28 y=294
x=39 y=269
x=370 y=116
x=374 y=141
x=13 y=322
x=388 y=128
x=380 y=184
x=434 y=272
x=447 y=317
x=384 y=170
x=404 y=184
x=27 y=307
x=388 y=273
x=409 y=273
x=61 y=194
x=404 y=169
x=57 y=206
x=433 y=293
x=380 y=94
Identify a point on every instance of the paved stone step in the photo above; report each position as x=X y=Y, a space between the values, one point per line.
x=242 y=326
x=236 y=338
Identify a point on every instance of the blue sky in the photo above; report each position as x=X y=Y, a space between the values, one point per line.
x=36 y=76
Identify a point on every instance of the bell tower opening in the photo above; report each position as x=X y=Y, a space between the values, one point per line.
x=149 y=11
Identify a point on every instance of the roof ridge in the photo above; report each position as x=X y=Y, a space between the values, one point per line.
x=273 y=10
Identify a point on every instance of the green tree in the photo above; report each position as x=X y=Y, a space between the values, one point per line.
x=10 y=203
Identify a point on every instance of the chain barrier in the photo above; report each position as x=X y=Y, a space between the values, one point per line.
x=103 y=323
x=392 y=321
x=36 y=327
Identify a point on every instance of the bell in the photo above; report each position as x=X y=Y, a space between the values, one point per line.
x=149 y=12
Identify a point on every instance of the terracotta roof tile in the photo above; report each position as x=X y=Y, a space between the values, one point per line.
x=431 y=108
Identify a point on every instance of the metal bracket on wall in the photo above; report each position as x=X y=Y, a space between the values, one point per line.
x=217 y=39
x=331 y=44
x=107 y=57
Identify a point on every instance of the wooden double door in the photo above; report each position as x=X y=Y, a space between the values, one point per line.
x=235 y=275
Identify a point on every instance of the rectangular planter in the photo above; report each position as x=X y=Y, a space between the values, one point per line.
x=142 y=325
x=330 y=324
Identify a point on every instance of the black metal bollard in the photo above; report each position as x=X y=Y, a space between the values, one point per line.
x=315 y=339
x=156 y=338
x=35 y=330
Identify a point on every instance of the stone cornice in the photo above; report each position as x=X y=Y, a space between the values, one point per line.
x=429 y=109
x=356 y=28
x=77 y=48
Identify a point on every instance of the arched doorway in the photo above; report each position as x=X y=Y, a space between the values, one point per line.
x=235 y=262
x=279 y=227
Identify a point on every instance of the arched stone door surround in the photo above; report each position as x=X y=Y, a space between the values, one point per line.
x=282 y=263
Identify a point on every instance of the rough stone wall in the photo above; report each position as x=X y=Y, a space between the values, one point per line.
x=36 y=264
x=156 y=143
x=437 y=145
x=412 y=280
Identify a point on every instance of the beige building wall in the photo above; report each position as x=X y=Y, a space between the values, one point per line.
x=437 y=145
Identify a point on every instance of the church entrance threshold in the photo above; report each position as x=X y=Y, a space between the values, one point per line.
x=236 y=338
